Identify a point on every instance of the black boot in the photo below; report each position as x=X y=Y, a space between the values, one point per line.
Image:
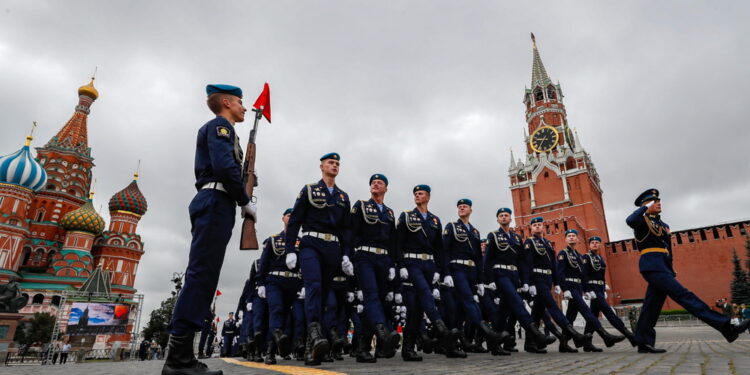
x=181 y=360
x=478 y=341
x=200 y=354
x=589 y=347
x=337 y=344
x=494 y=340
x=630 y=336
x=645 y=348
x=282 y=342
x=530 y=346
x=578 y=338
x=387 y=340
x=271 y=353
x=609 y=339
x=426 y=341
x=317 y=346
x=448 y=340
x=564 y=347
x=298 y=349
x=408 y=354
x=732 y=332
x=540 y=338
x=364 y=344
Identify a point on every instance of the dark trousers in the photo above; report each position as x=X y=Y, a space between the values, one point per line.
x=414 y=310
x=63 y=358
x=421 y=273
x=280 y=295
x=661 y=285
x=544 y=301
x=260 y=319
x=319 y=261
x=372 y=278
x=578 y=305
x=512 y=303
x=212 y=217
x=465 y=280
x=298 y=318
x=337 y=310
x=204 y=335
x=210 y=344
x=226 y=348
x=599 y=304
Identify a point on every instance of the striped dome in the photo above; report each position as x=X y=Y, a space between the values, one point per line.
x=129 y=199
x=19 y=168
x=84 y=219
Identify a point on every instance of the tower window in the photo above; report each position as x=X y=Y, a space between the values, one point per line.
x=551 y=94
x=538 y=94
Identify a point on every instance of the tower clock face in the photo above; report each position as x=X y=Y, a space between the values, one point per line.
x=544 y=139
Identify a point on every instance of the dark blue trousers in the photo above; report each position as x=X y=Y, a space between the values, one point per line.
x=319 y=261
x=298 y=317
x=205 y=330
x=246 y=328
x=280 y=294
x=599 y=304
x=414 y=310
x=260 y=318
x=448 y=307
x=578 y=305
x=336 y=312
x=661 y=285
x=490 y=310
x=512 y=303
x=372 y=278
x=544 y=301
x=465 y=280
x=212 y=218
x=226 y=347
x=421 y=273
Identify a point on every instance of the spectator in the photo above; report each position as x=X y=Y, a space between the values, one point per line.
x=64 y=354
x=143 y=349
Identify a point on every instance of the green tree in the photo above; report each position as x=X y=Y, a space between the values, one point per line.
x=37 y=329
x=739 y=287
x=747 y=253
x=157 y=326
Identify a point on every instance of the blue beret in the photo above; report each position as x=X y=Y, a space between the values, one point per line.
x=287 y=212
x=380 y=177
x=648 y=195
x=422 y=187
x=504 y=209
x=537 y=219
x=569 y=231
x=330 y=155
x=224 y=89
x=464 y=201
x=595 y=238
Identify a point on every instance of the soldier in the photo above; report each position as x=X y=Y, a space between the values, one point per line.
x=227 y=334
x=594 y=269
x=374 y=240
x=462 y=246
x=322 y=212
x=541 y=262
x=260 y=317
x=211 y=338
x=421 y=260
x=218 y=160
x=573 y=280
x=653 y=240
x=278 y=283
x=503 y=256
x=205 y=329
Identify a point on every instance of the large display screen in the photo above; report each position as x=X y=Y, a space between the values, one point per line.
x=92 y=318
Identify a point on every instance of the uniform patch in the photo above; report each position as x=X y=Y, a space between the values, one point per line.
x=562 y=257
x=222 y=131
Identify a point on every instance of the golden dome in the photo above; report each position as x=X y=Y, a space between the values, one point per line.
x=89 y=90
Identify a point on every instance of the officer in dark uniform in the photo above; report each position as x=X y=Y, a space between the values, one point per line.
x=463 y=249
x=541 y=262
x=322 y=212
x=227 y=334
x=421 y=260
x=218 y=173
x=502 y=257
x=574 y=284
x=278 y=282
x=374 y=240
x=244 y=312
x=594 y=269
x=258 y=316
x=653 y=240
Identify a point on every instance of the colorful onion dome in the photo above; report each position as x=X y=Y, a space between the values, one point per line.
x=89 y=90
x=84 y=219
x=19 y=168
x=129 y=199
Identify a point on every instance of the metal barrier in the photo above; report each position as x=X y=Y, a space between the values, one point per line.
x=37 y=358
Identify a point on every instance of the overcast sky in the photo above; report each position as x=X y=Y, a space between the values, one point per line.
x=421 y=91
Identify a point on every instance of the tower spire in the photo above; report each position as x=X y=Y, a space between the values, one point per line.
x=30 y=137
x=539 y=75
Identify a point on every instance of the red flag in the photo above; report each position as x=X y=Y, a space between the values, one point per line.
x=218 y=292
x=264 y=101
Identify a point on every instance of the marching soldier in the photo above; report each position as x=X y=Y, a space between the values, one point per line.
x=260 y=316
x=594 y=269
x=462 y=246
x=570 y=274
x=421 y=260
x=218 y=160
x=374 y=240
x=322 y=213
x=227 y=334
x=653 y=240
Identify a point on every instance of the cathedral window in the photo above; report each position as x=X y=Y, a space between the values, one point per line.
x=38 y=299
x=3 y=258
x=40 y=214
x=38 y=255
x=1 y=200
x=56 y=300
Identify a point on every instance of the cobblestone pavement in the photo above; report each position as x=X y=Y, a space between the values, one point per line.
x=694 y=350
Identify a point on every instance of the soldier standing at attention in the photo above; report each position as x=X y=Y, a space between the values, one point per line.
x=653 y=240
x=227 y=333
x=322 y=213
x=218 y=173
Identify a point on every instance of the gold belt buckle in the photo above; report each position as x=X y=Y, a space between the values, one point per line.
x=327 y=236
x=423 y=256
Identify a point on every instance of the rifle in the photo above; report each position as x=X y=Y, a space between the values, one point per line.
x=249 y=237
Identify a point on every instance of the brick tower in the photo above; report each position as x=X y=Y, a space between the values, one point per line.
x=557 y=180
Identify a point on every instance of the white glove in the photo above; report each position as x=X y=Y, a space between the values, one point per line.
x=496 y=300
x=436 y=293
x=249 y=306
x=302 y=293
x=567 y=295
x=532 y=290
x=525 y=288
x=403 y=314
x=492 y=286
x=605 y=295
x=360 y=308
x=239 y=314
x=403 y=273
x=606 y=286
x=347 y=266
x=250 y=211
x=389 y=297
x=476 y=298
x=291 y=260
x=360 y=295
x=558 y=290
x=448 y=281
x=262 y=292
x=592 y=295
x=391 y=274
x=435 y=278
x=480 y=289
x=398 y=298
x=650 y=203
x=349 y=297
x=586 y=296
x=239 y=323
